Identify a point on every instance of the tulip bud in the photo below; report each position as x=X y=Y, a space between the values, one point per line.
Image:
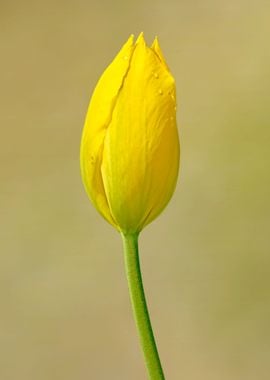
x=130 y=145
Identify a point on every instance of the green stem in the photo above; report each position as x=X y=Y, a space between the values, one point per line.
x=139 y=307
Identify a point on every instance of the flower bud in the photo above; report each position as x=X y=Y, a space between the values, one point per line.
x=130 y=145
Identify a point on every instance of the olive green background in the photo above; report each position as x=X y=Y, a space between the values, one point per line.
x=65 y=311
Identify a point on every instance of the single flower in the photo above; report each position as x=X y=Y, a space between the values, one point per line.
x=130 y=160
x=130 y=145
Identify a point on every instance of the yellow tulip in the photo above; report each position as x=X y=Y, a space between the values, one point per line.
x=130 y=145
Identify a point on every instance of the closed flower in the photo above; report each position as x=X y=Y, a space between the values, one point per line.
x=130 y=145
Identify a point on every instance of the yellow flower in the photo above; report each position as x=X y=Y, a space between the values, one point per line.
x=130 y=145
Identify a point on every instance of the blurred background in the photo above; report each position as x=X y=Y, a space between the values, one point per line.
x=65 y=311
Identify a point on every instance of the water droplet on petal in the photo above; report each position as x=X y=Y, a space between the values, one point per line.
x=160 y=91
x=156 y=75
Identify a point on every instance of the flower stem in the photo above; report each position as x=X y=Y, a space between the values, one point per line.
x=139 y=307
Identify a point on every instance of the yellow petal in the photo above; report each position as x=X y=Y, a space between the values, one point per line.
x=97 y=120
x=141 y=147
x=156 y=48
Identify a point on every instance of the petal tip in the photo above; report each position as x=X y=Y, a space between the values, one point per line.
x=130 y=40
x=155 y=44
x=140 y=39
x=157 y=49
